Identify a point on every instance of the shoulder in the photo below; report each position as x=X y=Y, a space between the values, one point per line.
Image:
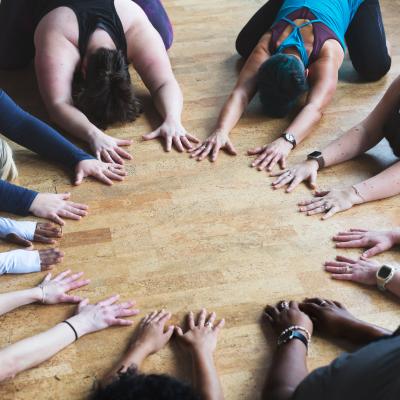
x=131 y=15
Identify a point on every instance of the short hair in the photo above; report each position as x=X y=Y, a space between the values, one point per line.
x=8 y=169
x=132 y=385
x=281 y=81
x=105 y=95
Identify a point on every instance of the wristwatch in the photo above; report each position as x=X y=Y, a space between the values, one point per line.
x=290 y=335
x=290 y=138
x=384 y=275
x=317 y=156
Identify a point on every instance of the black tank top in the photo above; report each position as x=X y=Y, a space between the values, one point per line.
x=392 y=130
x=92 y=15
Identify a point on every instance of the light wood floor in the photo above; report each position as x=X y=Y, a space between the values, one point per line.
x=181 y=235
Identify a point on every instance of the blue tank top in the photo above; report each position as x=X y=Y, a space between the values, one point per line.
x=335 y=14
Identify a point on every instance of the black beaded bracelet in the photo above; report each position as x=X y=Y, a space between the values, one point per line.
x=75 y=332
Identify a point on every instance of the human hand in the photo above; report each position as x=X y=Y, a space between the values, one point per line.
x=330 y=202
x=152 y=336
x=104 y=172
x=108 y=149
x=54 y=291
x=306 y=171
x=376 y=241
x=201 y=337
x=286 y=314
x=44 y=233
x=173 y=133
x=212 y=145
x=271 y=154
x=346 y=269
x=53 y=206
x=91 y=318
x=50 y=257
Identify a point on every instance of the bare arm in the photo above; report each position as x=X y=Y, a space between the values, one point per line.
x=32 y=351
x=55 y=62
x=12 y=300
x=150 y=59
x=242 y=94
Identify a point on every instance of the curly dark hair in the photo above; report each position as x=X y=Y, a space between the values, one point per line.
x=105 y=95
x=281 y=82
x=132 y=385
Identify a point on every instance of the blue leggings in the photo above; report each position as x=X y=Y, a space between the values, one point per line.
x=17 y=27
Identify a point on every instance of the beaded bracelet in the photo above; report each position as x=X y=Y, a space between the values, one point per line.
x=297 y=328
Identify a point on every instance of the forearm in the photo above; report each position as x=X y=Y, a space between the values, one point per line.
x=32 y=351
x=168 y=100
x=12 y=300
x=15 y=199
x=232 y=112
x=73 y=121
x=206 y=380
x=20 y=262
x=354 y=142
x=288 y=369
x=304 y=122
x=384 y=185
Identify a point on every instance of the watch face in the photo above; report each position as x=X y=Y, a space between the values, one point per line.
x=384 y=272
x=315 y=154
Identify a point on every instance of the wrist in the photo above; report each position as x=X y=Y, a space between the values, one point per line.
x=201 y=354
x=354 y=196
x=313 y=163
x=136 y=354
x=36 y=294
x=82 y=328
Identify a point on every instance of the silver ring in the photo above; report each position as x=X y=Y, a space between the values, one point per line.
x=323 y=303
x=349 y=269
x=327 y=207
x=284 y=305
x=209 y=324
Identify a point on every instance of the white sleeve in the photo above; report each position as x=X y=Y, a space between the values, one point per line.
x=24 y=229
x=19 y=262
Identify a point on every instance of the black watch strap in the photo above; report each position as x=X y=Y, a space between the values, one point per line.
x=298 y=335
x=318 y=157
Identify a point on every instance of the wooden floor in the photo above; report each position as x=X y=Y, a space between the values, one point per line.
x=181 y=235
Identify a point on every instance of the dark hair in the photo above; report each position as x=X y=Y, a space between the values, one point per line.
x=281 y=81
x=132 y=385
x=105 y=95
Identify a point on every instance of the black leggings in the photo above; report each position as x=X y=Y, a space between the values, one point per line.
x=365 y=37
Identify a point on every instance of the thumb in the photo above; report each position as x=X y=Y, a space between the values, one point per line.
x=79 y=177
x=124 y=142
x=313 y=180
x=65 y=196
x=151 y=135
x=82 y=304
x=230 y=148
x=372 y=252
x=178 y=331
x=14 y=238
x=169 y=332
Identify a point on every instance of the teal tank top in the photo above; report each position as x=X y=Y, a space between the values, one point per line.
x=335 y=14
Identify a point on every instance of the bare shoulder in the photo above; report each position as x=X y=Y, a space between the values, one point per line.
x=132 y=16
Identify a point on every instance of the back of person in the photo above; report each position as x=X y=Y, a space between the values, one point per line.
x=336 y=14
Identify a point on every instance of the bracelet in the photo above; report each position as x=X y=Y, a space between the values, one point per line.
x=43 y=293
x=297 y=328
x=358 y=193
x=70 y=325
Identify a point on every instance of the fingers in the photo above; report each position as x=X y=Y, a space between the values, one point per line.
x=50 y=257
x=271 y=312
x=211 y=319
x=43 y=239
x=177 y=143
x=54 y=217
x=215 y=151
x=123 y=153
x=192 y=138
x=346 y=260
x=83 y=304
x=168 y=143
x=105 y=156
x=377 y=249
x=120 y=322
x=109 y=301
x=191 y=320
x=103 y=178
x=205 y=152
x=185 y=141
x=274 y=161
x=334 y=210
x=66 y=298
x=178 y=331
x=123 y=142
x=202 y=318
x=220 y=325
x=295 y=182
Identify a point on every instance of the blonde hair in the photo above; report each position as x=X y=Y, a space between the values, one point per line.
x=8 y=169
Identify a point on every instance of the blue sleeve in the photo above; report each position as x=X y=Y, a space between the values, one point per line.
x=28 y=131
x=15 y=199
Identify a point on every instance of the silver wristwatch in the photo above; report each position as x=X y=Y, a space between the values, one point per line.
x=384 y=275
x=290 y=138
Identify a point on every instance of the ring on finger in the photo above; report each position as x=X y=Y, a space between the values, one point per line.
x=323 y=303
x=209 y=325
x=327 y=207
x=283 y=305
x=349 y=269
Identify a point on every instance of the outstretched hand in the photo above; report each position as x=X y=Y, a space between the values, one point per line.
x=271 y=154
x=211 y=147
x=54 y=206
x=109 y=149
x=55 y=291
x=202 y=335
x=104 y=172
x=44 y=233
x=173 y=134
